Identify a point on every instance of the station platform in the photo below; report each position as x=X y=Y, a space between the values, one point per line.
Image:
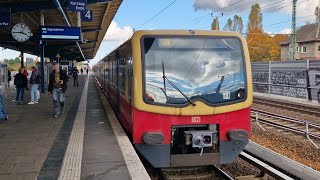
x=86 y=142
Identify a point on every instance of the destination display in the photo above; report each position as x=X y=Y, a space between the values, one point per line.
x=60 y=33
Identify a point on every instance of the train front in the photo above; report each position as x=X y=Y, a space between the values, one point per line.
x=192 y=97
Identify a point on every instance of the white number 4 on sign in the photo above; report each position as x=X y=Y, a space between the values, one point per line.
x=88 y=14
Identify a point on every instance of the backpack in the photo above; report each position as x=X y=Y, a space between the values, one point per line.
x=18 y=80
x=75 y=74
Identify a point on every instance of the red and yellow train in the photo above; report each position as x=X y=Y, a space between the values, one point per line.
x=183 y=96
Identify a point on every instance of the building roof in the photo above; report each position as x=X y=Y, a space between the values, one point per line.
x=29 y=12
x=307 y=33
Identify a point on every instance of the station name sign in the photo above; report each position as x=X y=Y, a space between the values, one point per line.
x=5 y=17
x=77 y=5
x=60 y=33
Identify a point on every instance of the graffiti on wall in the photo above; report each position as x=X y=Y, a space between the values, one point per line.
x=258 y=79
x=314 y=77
x=289 y=78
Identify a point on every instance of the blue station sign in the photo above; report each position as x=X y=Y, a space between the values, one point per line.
x=5 y=17
x=77 y=5
x=86 y=16
x=60 y=33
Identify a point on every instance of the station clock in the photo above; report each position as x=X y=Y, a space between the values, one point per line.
x=21 y=32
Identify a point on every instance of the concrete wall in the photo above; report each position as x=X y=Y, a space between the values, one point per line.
x=294 y=79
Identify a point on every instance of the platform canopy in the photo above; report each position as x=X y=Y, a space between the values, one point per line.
x=29 y=12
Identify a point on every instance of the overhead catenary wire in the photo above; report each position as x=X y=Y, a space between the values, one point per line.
x=273 y=11
x=157 y=14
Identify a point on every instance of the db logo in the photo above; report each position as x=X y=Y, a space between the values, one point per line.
x=195 y=119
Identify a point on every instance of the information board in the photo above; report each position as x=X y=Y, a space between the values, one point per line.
x=60 y=33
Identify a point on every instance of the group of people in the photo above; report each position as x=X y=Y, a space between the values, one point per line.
x=21 y=83
x=57 y=86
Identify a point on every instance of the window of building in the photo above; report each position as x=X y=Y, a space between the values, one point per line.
x=298 y=49
x=304 y=49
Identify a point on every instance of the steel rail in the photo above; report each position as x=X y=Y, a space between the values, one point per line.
x=263 y=166
x=289 y=106
x=290 y=119
x=219 y=172
x=284 y=127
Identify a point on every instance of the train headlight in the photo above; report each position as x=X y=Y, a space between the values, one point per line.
x=153 y=138
x=241 y=93
x=238 y=134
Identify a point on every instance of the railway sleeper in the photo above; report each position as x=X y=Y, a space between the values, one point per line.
x=261 y=176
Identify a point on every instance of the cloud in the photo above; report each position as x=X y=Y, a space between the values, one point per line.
x=118 y=34
x=271 y=6
x=114 y=37
x=285 y=31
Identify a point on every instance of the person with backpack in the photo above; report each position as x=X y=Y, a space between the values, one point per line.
x=20 y=81
x=34 y=81
x=75 y=77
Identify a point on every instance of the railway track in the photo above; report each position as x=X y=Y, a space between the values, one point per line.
x=286 y=123
x=194 y=173
x=305 y=109
x=214 y=172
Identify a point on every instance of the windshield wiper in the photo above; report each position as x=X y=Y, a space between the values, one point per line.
x=174 y=86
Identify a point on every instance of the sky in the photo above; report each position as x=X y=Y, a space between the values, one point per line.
x=193 y=14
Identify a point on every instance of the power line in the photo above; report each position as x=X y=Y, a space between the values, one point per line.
x=204 y=17
x=157 y=14
x=275 y=10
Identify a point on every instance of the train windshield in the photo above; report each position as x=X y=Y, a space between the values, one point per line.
x=183 y=70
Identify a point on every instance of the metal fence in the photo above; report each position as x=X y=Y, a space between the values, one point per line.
x=296 y=79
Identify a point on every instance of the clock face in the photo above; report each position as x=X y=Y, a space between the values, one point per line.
x=21 y=32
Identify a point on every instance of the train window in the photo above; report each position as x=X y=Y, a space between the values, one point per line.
x=178 y=70
x=130 y=73
x=122 y=75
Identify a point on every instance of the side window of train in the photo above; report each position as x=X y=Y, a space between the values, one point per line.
x=130 y=76
x=122 y=76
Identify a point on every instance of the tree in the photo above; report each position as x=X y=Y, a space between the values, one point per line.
x=317 y=13
x=263 y=47
x=234 y=25
x=228 y=26
x=215 y=24
x=255 y=18
x=237 y=24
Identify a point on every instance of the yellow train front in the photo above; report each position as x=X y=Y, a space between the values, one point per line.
x=184 y=96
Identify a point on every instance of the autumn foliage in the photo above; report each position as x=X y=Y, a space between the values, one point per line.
x=264 y=47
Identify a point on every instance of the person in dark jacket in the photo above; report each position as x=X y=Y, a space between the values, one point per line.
x=20 y=81
x=57 y=87
x=9 y=77
x=34 y=81
x=75 y=77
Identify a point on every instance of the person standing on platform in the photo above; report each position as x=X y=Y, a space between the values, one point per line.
x=34 y=81
x=9 y=77
x=25 y=73
x=81 y=71
x=75 y=77
x=20 y=81
x=87 y=71
x=57 y=87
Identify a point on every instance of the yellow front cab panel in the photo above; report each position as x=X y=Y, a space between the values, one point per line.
x=200 y=108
